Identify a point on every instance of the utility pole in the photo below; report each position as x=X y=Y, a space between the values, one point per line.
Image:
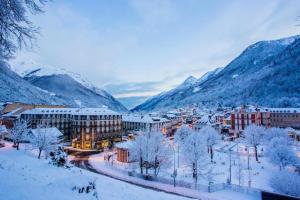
x=178 y=156
x=230 y=166
x=249 y=173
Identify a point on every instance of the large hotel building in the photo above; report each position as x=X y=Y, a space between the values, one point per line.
x=86 y=128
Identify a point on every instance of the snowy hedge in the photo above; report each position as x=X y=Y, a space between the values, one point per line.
x=287 y=183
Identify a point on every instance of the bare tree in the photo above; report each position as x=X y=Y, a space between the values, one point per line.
x=16 y=30
x=19 y=132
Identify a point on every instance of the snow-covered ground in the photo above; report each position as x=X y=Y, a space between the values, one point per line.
x=260 y=172
x=23 y=176
x=119 y=170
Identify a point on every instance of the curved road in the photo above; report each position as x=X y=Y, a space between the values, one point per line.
x=81 y=160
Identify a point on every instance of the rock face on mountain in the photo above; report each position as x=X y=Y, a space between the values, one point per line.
x=53 y=89
x=266 y=73
x=14 y=88
x=73 y=89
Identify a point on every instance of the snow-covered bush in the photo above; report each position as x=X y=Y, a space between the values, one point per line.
x=286 y=182
x=87 y=189
x=59 y=157
x=253 y=135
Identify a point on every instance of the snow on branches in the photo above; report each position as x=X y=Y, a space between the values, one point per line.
x=211 y=137
x=195 y=151
x=253 y=136
x=151 y=150
x=44 y=139
x=19 y=132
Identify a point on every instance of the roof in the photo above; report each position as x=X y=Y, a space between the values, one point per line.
x=3 y=129
x=143 y=119
x=284 y=110
x=72 y=111
x=53 y=131
x=124 y=145
x=14 y=113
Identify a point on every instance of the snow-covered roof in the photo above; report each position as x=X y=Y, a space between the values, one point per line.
x=14 y=113
x=53 y=131
x=124 y=145
x=3 y=129
x=143 y=119
x=72 y=111
x=284 y=110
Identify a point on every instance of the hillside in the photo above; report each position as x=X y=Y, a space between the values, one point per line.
x=266 y=73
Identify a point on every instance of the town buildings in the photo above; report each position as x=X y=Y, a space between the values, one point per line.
x=86 y=128
x=144 y=123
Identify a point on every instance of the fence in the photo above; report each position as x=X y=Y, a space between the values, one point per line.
x=180 y=183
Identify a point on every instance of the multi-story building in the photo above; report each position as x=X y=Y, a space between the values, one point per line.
x=284 y=117
x=268 y=117
x=243 y=117
x=143 y=123
x=87 y=128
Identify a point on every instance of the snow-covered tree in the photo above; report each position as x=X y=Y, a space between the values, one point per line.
x=19 y=132
x=253 y=136
x=275 y=132
x=43 y=139
x=180 y=137
x=281 y=153
x=211 y=137
x=182 y=134
x=151 y=151
x=195 y=151
x=59 y=157
x=16 y=30
x=286 y=182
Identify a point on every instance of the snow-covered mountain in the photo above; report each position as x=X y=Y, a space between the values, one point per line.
x=13 y=88
x=266 y=73
x=76 y=90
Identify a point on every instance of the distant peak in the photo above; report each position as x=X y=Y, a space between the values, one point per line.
x=189 y=80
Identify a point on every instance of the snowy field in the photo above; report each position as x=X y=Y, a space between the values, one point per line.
x=259 y=174
x=23 y=176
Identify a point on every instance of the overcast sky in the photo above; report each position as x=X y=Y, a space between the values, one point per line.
x=144 y=47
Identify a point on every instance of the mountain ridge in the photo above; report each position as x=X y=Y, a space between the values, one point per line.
x=266 y=62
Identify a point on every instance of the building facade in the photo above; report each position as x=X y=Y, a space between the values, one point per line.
x=284 y=117
x=267 y=117
x=86 y=128
x=143 y=123
x=244 y=117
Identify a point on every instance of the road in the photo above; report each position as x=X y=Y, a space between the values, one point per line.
x=81 y=160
